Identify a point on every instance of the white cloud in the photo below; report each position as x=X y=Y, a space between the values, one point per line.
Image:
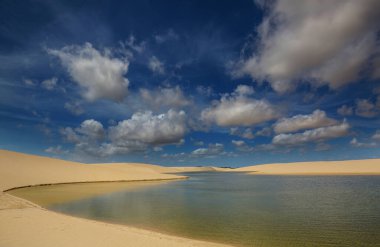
x=364 y=108
x=237 y=109
x=91 y=129
x=300 y=122
x=156 y=65
x=167 y=128
x=242 y=146
x=69 y=135
x=266 y=131
x=169 y=35
x=354 y=142
x=328 y=42
x=244 y=90
x=210 y=151
x=55 y=150
x=137 y=134
x=49 y=84
x=29 y=82
x=74 y=107
x=376 y=136
x=244 y=133
x=345 y=110
x=99 y=74
x=238 y=143
x=170 y=97
x=132 y=44
x=313 y=135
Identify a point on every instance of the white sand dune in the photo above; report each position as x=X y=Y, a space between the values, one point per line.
x=348 y=167
x=193 y=169
x=24 y=224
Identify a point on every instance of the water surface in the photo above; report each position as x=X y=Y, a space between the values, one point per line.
x=234 y=208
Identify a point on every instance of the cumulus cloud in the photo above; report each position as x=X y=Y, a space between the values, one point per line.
x=365 y=108
x=136 y=134
x=266 y=131
x=237 y=109
x=210 y=151
x=55 y=150
x=354 y=142
x=300 y=122
x=345 y=110
x=74 y=107
x=170 y=97
x=92 y=129
x=244 y=90
x=242 y=146
x=244 y=133
x=49 y=84
x=156 y=65
x=314 y=135
x=69 y=135
x=98 y=73
x=147 y=128
x=238 y=143
x=89 y=130
x=326 y=42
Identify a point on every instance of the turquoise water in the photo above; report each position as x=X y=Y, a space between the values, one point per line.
x=246 y=210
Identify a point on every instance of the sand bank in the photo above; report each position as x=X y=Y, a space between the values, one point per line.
x=23 y=223
x=348 y=167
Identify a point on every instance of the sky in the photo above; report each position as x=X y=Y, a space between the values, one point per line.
x=186 y=83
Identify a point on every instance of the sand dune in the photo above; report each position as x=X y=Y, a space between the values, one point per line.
x=353 y=167
x=24 y=224
x=193 y=169
x=18 y=170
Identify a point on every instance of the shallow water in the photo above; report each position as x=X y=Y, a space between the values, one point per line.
x=234 y=208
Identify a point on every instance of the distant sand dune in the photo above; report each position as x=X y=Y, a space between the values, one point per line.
x=348 y=167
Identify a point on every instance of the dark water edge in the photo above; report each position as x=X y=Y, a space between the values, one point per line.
x=239 y=209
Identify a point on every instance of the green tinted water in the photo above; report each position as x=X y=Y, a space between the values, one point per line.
x=240 y=209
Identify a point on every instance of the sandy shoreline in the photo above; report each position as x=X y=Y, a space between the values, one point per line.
x=23 y=223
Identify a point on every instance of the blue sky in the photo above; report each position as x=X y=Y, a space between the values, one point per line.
x=226 y=83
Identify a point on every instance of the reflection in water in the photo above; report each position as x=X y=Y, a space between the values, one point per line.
x=245 y=210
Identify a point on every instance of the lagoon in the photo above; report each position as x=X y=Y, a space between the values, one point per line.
x=233 y=208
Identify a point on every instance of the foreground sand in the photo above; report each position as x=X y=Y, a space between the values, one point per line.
x=348 y=167
x=24 y=224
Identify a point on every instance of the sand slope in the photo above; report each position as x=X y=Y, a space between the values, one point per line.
x=354 y=167
x=19 y=169
x=24 y=224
